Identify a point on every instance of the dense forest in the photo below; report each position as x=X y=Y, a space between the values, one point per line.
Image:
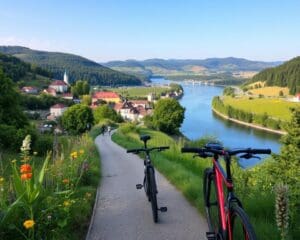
x=78 y=68
x=285 y=75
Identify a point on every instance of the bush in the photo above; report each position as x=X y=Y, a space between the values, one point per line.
x=43 y=144
x=129 y=127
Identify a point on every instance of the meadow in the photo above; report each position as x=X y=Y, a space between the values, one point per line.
x=139 y=92
x=274 y=107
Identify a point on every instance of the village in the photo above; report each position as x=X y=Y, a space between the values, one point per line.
x=129 y=109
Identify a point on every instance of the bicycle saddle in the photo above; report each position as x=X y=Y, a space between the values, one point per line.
x=145 y=138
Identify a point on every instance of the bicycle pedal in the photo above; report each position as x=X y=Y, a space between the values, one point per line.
x=211 y=236
x=139 y=186
x=163 y=209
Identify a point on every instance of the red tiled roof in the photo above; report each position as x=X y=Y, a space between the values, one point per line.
x=103 y=95
x=28 y=88
x=50 y=90
x=59 y=105
x=58 y=83
x=139 y=102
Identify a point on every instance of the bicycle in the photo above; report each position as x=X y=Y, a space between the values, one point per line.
x=149 y=183
x=225 y=215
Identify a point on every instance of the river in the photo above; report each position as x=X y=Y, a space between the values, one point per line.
x=200 y=121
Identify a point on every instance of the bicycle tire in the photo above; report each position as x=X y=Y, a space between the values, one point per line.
x=240 y=225
x=153 y=192
x=211 y=202
x=146 y=188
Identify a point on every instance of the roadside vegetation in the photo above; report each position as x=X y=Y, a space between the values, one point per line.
x=255 y=187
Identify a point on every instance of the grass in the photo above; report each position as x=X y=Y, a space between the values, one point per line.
x=185 y=173
x=270 y=91
x=139 y=92
x=274 y=107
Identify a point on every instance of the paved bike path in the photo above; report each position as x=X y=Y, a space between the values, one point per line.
x=123 y=213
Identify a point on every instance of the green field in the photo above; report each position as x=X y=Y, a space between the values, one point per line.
x=274 y=107
x=138 y=92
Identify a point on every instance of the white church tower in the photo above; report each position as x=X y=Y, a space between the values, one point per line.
x=66 y=78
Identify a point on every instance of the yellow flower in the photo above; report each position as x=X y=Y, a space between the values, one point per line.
x=67 y=203
x=81 y=151
x=1 y=179
x=28 y=224
x=74 y=154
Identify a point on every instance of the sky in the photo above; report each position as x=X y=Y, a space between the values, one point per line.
x=105 y=30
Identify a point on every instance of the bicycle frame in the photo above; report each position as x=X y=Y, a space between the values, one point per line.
x=224 y=204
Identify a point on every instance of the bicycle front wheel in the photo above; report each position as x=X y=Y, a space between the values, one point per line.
x=153 y=192
x=240 y=227
x=211 y=201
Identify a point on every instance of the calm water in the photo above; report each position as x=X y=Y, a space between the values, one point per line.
x=200 y=121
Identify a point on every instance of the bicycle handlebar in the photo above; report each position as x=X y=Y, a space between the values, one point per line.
x=137 y=150
x=204 y=151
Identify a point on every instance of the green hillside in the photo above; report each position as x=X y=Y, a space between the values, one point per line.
x=78 y=68
x=24 y=73
x=285 y=75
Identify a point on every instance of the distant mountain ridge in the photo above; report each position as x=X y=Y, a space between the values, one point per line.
x=285 y=75
x=78 y=68
x=217 y=64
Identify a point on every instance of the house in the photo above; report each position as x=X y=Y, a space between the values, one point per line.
x=68 y=96
x=105 y=96
x=29 y=90
x=151 y=97
x=50 y=91
x=133 y=111
x=59 y=86
x=297 y=98
x=143 y=103
x=57 y=110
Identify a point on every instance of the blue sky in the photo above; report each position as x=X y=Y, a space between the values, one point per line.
x=106 y=30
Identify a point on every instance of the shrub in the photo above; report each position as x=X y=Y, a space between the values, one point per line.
x=43 y=144
x=129 y=127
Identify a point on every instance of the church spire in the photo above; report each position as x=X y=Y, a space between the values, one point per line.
x=66 y=78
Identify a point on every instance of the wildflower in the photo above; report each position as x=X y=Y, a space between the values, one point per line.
x=49 y=217
x=28 y=224
x=67 y=203
x=25 y=168
x=13 y=161
x=81 y=151
x=1 y=179
x=26 y=144
x=65 y=181
x=88 y=195
x=74 y=155
x=35 y=153
x=26 y=176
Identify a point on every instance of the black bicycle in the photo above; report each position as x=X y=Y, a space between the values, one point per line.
x=149 y=182
x=226 y=217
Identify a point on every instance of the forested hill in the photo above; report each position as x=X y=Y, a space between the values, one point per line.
x=78 y=68
x=20 y=71
x=219 y=64
x=285 y=75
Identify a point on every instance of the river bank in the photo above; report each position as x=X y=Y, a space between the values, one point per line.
x=249 y=124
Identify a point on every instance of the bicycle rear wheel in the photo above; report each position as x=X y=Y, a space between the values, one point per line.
x=153 y=192
x=211 y=201
x=240 y=226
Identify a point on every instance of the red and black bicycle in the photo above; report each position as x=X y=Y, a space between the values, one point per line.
x=226 y=217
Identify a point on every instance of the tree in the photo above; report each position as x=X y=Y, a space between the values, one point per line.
x=77 y=119
x=105 y=112
x=80 y=88
x=10 y=110
x=86 y=100
x=168 y=115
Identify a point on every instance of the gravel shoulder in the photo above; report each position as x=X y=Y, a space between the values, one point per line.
x=123 y=213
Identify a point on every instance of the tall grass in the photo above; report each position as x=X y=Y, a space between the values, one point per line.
x=186 y=174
